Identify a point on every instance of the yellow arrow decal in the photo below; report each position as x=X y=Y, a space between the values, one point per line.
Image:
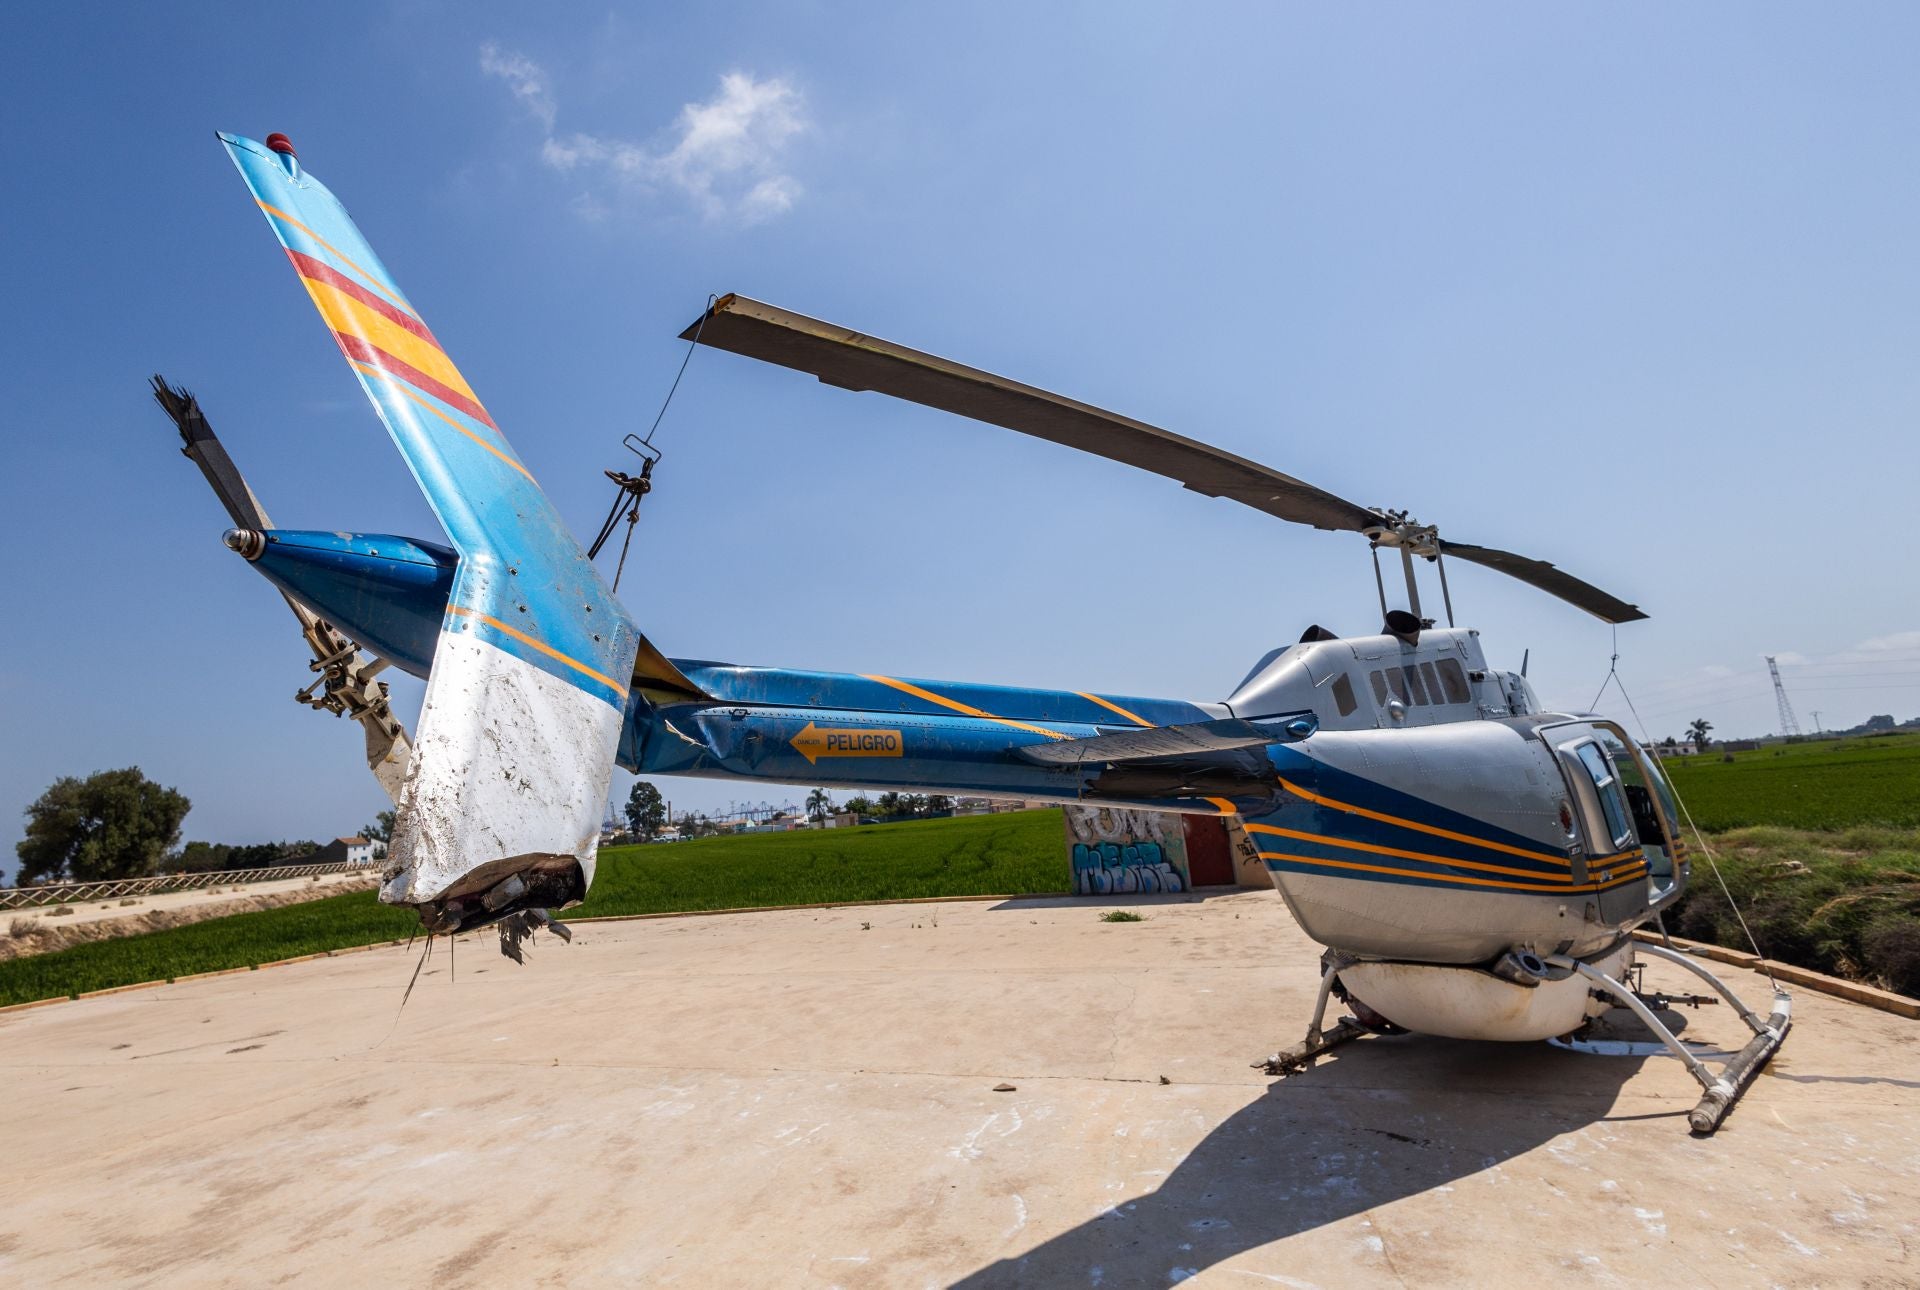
x=813 y=743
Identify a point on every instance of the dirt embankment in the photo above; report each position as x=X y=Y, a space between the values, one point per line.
x=42 y=935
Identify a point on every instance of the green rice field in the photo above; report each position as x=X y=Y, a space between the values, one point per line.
x=986 y=855
x=1823 y=785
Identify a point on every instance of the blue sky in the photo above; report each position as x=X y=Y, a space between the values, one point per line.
x=1630 y=288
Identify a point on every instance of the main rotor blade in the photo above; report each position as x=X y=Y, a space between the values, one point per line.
x=854 y=361
x=1538 y=573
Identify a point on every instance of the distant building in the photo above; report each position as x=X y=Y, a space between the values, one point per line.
x=345 y=851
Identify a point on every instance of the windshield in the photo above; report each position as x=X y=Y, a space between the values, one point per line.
x=1608 y=788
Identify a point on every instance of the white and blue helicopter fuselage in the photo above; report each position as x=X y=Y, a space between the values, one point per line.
x=1474 y=867
x=1413 y=806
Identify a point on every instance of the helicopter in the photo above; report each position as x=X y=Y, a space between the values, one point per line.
x=1474 y=865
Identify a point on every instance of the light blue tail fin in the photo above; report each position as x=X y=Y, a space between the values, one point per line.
x=502 y=802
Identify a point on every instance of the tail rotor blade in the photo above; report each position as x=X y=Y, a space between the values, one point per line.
x=347 y=675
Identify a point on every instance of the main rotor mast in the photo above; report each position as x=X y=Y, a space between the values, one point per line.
x=1397 y=530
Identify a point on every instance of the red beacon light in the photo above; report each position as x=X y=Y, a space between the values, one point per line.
x=280 y=143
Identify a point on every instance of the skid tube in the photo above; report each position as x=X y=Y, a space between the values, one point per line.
x=1318 y=1041
x=1723 y=1089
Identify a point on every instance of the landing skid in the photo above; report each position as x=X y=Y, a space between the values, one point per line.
x=1721 y=1089
x=1724 y=1088
x=1318 y=1042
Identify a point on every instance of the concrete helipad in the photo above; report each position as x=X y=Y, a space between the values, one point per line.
x=807 y=1099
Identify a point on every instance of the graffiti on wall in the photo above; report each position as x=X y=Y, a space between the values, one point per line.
x=1116 y=851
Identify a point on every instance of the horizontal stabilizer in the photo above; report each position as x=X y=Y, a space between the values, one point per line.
x=1172 y=741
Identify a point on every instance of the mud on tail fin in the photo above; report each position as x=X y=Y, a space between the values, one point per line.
x=502 y=803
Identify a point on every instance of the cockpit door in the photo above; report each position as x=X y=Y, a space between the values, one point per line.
x=1616 y=850
x=1655 y=815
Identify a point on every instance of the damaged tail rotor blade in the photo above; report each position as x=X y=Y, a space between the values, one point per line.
x=517 y=929
x=348 y=677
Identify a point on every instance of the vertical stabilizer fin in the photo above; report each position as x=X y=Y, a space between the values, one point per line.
x=502 y=803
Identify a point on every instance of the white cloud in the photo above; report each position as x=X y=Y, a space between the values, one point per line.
x=730 y=147
x=524 y=77
x=1882 y=644
x=727 y=155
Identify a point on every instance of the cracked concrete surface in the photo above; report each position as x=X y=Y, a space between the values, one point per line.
x=784 y=1099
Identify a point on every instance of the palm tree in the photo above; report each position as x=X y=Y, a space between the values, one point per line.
x=1698 y=733
x=888 y=804
x=819 y=805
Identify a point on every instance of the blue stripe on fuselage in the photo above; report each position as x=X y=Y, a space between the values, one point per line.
x=1297 y=766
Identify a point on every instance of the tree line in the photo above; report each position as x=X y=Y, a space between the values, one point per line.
x=646 y=810
x=120 y=824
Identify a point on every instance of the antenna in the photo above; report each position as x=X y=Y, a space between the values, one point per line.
x=1525 y=655
x=1788 y=726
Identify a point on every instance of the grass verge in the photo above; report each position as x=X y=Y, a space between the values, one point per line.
x=1845 y=903
x=966 y=856
x=241 y=940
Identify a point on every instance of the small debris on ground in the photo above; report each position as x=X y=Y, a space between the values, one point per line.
x=1165 y=1080
x=1004 y=1088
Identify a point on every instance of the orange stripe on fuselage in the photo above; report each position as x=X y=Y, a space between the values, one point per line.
x=1416 y=826
x=1114 y=707
x=907 y=687
x=1461 y=879
x=1399 y=854
x=540 y=645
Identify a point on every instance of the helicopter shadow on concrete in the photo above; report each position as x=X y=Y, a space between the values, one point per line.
x=1384 y=1119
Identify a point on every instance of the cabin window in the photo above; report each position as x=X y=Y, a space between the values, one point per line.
x=1397 y=682
x=1379 y=687
x=1432 y=679
x=1453 y=680
x=1417 y=686
x=1612 y=803
x=1343 y=695
x=1418 y=690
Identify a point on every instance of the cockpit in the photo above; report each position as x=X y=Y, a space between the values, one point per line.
x=1628 y=808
